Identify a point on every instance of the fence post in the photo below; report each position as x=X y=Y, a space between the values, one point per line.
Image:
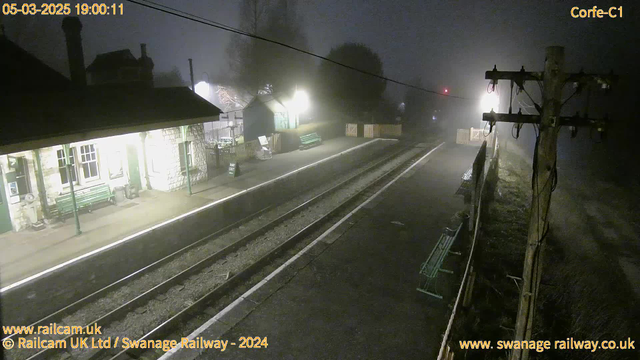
x=469 y=289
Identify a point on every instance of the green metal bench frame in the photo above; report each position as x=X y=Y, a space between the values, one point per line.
x=85 y=198
x=433 y=266
x=309 y=140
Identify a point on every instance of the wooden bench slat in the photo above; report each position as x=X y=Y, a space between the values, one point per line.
x=84 y=197
x=310 y=139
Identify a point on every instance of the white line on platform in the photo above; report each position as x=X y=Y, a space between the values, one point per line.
x=159 y=225
x=257 y=286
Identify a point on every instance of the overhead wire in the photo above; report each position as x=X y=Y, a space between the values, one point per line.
x=569 y=98
x=188 y=16
x=530 y=98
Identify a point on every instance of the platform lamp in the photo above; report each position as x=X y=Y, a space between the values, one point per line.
x=232 y=126
x=298 y=104
x=184 y=129
x=69 y=166
x=203 y=88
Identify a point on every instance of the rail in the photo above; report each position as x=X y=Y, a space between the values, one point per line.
x=122 y=310
x=375 y=187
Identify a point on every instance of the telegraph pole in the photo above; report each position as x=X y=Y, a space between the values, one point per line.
x=543 y=178
x=544 y=166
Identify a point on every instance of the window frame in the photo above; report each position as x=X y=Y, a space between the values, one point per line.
x=74 y=168
x=92 y=156
x=20 y=183
x=23 y=164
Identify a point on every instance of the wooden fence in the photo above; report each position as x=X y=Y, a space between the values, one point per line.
x=374 y=130
x=481 y=194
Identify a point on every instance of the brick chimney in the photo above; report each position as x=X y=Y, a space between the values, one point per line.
x=146 y=63
x=72 y=27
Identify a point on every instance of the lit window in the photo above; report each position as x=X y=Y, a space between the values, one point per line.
x=189 y=155
x=89 y=161
x=62 y=168
x=115 y=165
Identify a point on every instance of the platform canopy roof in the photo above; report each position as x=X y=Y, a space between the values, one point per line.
x=275 y=104
x=31 y=121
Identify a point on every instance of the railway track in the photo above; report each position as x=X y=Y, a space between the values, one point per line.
x=168 y=305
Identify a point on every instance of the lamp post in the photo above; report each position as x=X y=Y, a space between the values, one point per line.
x=184 y=129
x=232 y=126
x=73 y=194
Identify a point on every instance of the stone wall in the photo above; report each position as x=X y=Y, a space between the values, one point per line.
x=165 y=174
x=163 y=147
x=110 y=149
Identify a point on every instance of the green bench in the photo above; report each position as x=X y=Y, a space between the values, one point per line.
x=433 y=266
x=310 y=140
x=85 y=198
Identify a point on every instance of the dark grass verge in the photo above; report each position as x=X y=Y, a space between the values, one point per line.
x=499 y=252
x=584 y=298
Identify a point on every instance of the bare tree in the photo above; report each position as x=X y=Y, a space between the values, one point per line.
x=286 y=68
x=351 y=92
x=259 y=66
x=252 y=14
x=242 y=51
x=230 y=98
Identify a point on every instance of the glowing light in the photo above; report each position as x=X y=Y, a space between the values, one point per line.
x=489 y=102
x=446 y=91
x=202 y=89
x=300 y=102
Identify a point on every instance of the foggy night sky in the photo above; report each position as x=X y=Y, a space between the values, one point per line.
x=447 y=43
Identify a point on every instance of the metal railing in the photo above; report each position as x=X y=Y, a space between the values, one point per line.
x=478 y=188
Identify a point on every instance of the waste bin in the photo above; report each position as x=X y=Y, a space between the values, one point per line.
x=118 y=192
x=131 y=191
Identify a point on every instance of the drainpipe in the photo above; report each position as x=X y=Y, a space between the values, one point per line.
x=73 y=194
x=40 y=181
x=184 y=129
x=143 y=138
x=193 y=84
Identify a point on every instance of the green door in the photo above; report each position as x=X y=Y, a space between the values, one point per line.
x=134 y=167
x=5 y=218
